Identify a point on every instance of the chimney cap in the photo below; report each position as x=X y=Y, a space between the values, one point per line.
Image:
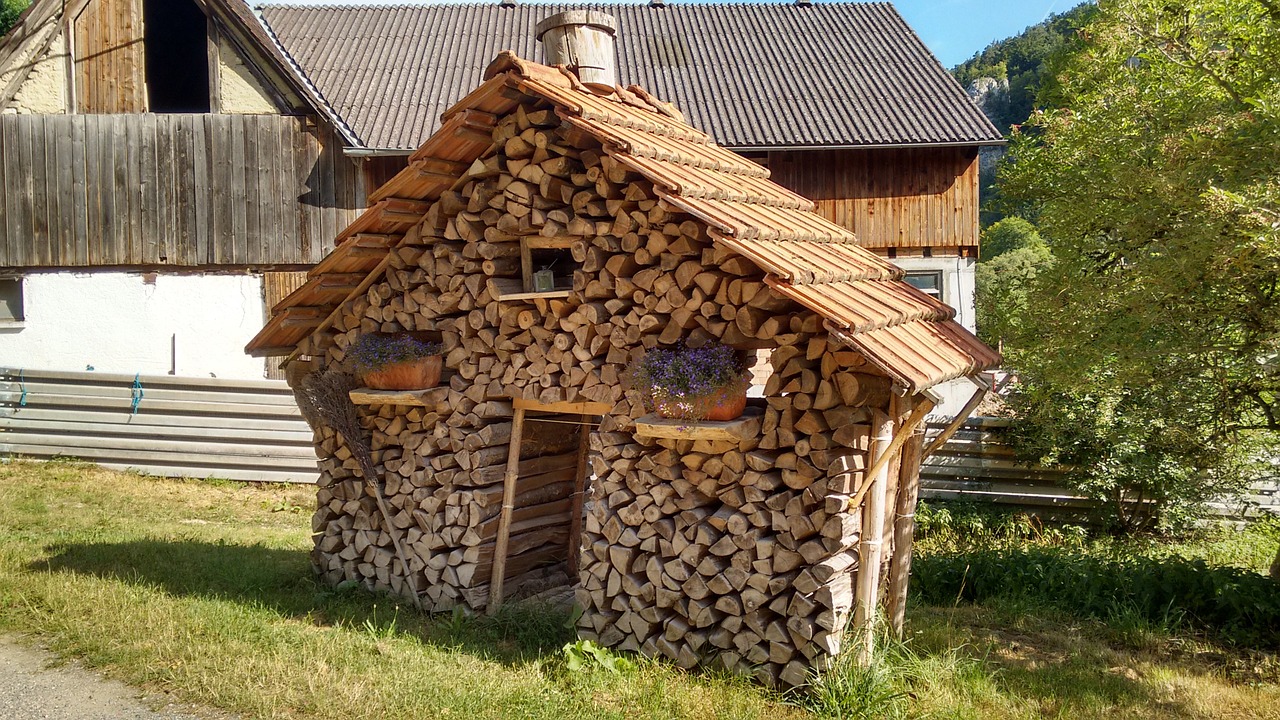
x=507 y=3
x=657 y=3
x=593 y=18
x=804 y=3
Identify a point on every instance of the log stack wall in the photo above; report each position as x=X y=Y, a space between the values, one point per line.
x=733 y=552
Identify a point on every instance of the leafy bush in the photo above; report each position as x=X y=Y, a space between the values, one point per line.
x=1238 y=606
x=943 y=527
x=9 y=12
x=374 y=351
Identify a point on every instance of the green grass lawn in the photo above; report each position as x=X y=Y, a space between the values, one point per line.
x=204 y=590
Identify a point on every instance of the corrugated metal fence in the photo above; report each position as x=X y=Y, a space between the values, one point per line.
x=977 y=465
x=252 y=430
x=192 y=427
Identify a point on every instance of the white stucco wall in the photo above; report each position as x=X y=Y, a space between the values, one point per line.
x=957 y=291
x=115 y=321
x=45 y=89
x=239 y=92
x=957 y=282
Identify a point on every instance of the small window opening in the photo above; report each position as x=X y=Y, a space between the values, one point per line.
x=176 y=43
x=552 y=269
x=930 y=283
x=547 y=265
x=11 y=301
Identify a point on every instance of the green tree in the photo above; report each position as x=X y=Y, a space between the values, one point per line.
x=1012 y=255
x=1150 y=346
x=9 y=12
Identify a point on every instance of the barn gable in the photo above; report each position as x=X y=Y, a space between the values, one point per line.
x=95 y=53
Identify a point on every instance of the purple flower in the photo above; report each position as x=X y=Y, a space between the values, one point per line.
x=688 y=378
x=376 y=351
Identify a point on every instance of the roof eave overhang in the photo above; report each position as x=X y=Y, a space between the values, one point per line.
x=366 y=152
x=880 y=146
x=402 y=152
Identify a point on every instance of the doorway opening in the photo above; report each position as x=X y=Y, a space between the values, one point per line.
x=176 y=39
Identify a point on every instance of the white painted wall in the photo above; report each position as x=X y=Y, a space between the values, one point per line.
x=45 y=89
x=118 y=321
x=238 y=90
x=957 y=291
x=957 y=282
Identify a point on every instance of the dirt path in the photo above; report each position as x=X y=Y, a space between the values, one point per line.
x=31 y=689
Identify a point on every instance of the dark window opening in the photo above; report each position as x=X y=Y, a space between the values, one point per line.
x=11 y=310
x=552 y=269
x=176 y=42
x=929 y=283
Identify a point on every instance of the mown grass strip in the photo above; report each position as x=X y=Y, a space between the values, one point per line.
x=204 y=590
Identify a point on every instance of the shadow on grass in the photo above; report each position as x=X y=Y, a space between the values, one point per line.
x=282 y=581
x=1067 y=666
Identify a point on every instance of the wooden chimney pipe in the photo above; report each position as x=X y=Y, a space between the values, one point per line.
x=582 y=41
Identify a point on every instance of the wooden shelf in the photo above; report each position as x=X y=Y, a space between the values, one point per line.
x=426 y=398
x=535 y=295
x=672 y=429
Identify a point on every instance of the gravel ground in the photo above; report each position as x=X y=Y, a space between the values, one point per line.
x=31 y=688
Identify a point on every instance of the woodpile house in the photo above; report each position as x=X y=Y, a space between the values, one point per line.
x=750 y=544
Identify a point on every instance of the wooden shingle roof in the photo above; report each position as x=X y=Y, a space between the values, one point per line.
x=908 y=335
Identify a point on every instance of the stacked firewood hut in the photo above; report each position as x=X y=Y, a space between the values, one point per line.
x=751 y=545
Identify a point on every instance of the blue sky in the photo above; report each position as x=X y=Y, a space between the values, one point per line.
x=956 y=29
x=953 y=29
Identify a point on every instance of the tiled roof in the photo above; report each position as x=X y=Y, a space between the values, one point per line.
x=908 y=335
x=751 y=75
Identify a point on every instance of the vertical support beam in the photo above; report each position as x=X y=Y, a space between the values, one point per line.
x=974 y=401
x=508 y=505
x=904 y=529
x=215 y=65
x=872 y=538
x=69 y=41
x=579 y=490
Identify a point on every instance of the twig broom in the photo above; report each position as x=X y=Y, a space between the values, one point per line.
x=324 y=399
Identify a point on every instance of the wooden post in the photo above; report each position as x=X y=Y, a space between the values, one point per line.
x=508 y=505
x=579 y=489
x=881 y=461
x=958 y=420
x=904 y=530
x=872 y=538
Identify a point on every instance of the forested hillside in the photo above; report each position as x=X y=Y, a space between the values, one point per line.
x=1009 y=73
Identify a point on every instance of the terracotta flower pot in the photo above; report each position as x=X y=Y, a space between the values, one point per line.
x=717 y=407
x=417 y=374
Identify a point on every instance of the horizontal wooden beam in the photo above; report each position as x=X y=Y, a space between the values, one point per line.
x=575 y=408
x=426 y=398
x=675 y=429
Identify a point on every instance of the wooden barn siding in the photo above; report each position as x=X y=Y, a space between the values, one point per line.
x=900 y=198
x=187 y=190
x=108 y=38
x=977 y=465
x=183 y=427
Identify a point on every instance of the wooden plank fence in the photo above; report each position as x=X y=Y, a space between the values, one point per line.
x=977 y=465
x=161 y=425
x=189 y=190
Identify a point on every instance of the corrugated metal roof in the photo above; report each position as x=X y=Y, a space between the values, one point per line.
x=910 y=336
x=751 y=75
